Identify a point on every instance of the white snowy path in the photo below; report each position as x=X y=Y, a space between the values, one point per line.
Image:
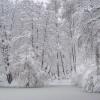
x=50 y=93
x=60 y=82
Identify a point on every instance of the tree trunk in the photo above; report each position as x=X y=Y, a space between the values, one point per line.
x=73 y=46
x=42 y=64
x=98 y=58
x=9 y=77
x=44 y=41
x=58 y=71
x=73 y=57
x=62 y=63
x=32 y=36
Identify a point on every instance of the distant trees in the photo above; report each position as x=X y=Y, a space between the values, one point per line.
x=5 y=37
x=89 y=33
x=69 y=8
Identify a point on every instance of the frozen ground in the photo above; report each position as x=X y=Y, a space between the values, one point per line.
x=52 y=93
x=60 y=82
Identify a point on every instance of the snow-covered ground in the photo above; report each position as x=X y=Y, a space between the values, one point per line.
x=60 y=82
x=52 y=93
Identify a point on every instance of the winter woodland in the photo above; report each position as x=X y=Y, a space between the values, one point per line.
x=56 y=42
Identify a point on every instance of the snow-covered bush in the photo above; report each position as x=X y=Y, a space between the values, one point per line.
x=97 y=85
x=77 y=77
x=87 y=80
x=89 y=84
x=90 y=81
x=41 y=79
x=28 y=75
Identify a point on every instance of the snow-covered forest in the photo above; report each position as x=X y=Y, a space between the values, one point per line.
x=49 y=43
